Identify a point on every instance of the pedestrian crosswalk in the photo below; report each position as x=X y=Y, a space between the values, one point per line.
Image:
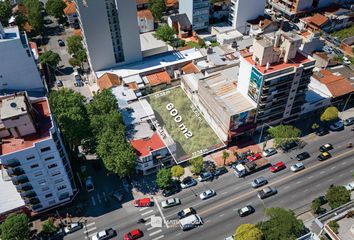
x=89 y=230
x=99 y=198
x=155 y=232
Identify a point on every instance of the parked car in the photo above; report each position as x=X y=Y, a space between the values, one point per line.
x=349 y=186
x=245 y=211
x=207 y=194
x=254 y=157
x=267 y=192
x=346 y=61
x=106 y=234
x=326 y=147
x=269 y=152
x=132 y=235
x=204 y=176
x=220 y=171
x=297 y=167
x=277 y=167
x=258 y=182
x=302 y=156
x=170 y=202
x=61 y=43
x=89 y=184
x=188 y=182
x=186 y=212
x=349 y=121
x=324 y=156
x=337 y=126
x=143 y=202
x=323 y=200
x=288 y=146
x=59 y=234
x=73 y=227
x=322 y=131
x=173 y=189
x=59 y=83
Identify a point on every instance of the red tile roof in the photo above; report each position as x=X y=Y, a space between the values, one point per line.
x=190 y=68
x=70 y=8
x=146 y=13
x=317 y=19
x=145 y=146
x=108 y=80
x=158 y=78
x=337 y=85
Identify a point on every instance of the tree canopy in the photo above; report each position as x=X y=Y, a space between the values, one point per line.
x=48 y=227
x=165 y=33
x=225 y=155
x=15 y=227
x=50 y=58
x=282 y=224
x=164 y=178
x=34 y=17
x=177 y=171
x=197 y=165
x=74 y=44
x=5 y=12
x=55 y=8
x=330 y=114
x=157 y=7
x=337 y=196
x=283 y=134
x=248 y=232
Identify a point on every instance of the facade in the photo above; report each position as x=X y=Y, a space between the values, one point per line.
x=275 y=75
x=18 y=69
x=311 y=42
x=292 y=7
x=33 y=154
x=110 y=32
x=181 y=24
x=197 y=12
x=242 y=11
x=145 y=21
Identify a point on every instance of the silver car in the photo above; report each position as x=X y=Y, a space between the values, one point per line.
x=269 y=152
x=297 y=167
x=258 y=182
x=170 y=202
x=207 y=194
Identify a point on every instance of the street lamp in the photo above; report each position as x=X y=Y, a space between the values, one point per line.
x=345 y=105
x=260 y=137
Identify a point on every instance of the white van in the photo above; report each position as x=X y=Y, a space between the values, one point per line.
x=190 y=222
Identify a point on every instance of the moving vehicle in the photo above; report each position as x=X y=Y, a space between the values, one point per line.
x=170 y=202
x=61 y=43
x=258 y=182
x=337 y=126
x=207 y=194
x=277 y=167
x=326 y=147
x=247 y=167
x=174 y=188
x=190 y=222
x=269 y=152
x=302 y=156
x=349 y=121
x=322 y=131
x=324 y=156
x=186 y=212
x=143 y=202
x=132 y=235
x=245 y=211
x=73 y=227
x=254 y=157
x=106 y=234
x=204 y=176
x=220 y=171
x=188 y=182
x=297 y=167
x=266 y=192
x=349 y=186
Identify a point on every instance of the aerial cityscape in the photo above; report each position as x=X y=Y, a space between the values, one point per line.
x=177 y=119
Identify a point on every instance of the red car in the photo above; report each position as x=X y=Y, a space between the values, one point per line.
x=144 y=202
x=254 y=157
x=135 y=234
x=277 y=167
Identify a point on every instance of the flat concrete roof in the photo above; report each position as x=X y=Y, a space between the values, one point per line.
x=9 y=197
x=13 y=106
x=148 y=41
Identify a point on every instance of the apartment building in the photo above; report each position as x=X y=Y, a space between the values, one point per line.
x=18 y=68
x=292 y=7
x=110 y=32
x=275 y=75
x=242 y=11
x=32 y=156
x=197 y=12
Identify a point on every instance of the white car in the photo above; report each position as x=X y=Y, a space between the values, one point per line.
x=170 y=202
x=207 y=194
x=346 y=61
x=73 y=227
x=297 y=167
x=349 y=186
x=269 y=152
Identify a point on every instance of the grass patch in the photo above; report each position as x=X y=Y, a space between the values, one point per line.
x=344 y=33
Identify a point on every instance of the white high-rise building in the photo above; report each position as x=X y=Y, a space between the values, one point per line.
x=242 y=11
x=34 y=165
x=197 y=11
x=110 y=32
x=18 y=69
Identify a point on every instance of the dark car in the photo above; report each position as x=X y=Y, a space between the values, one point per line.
x=288 y=146
x=220 y=171
x=349 y=121
x=186 y=212
x=245 y=211
x=323 y=200
x=61 y=43
x=322 y=131
x=267 y=192
x=326 y=147
x=302 y=156
x=173 y=189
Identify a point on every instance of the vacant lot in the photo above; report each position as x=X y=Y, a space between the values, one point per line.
x=344 y=33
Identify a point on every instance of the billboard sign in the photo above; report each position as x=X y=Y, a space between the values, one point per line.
x=254 y=87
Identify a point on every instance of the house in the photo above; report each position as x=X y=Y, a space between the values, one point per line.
x=261 y=25
x=311 y=42
x=316 y=22
x=145 y=21
x=71 y=15
x=340 y=17
x=347 y=45
x=159 y=80
x=181 y=24
x=108 y=80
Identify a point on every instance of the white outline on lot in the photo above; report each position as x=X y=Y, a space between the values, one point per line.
x=160 y=210
x=146 y=213
x=93 y=201
x=184 y=160
x=159 y=237
x=154 y=233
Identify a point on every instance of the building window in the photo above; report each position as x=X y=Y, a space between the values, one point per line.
x=45 y=149
x=37 y=174
x=52 y=165
x=48 y=195
x=56 y=173
x=30 y=157
x=45 y=189
x=63 y=196
x=52 y=202
x=61 y=187
x=59 y=181
x=42 y=182
x=34 y=166
x=49 y=158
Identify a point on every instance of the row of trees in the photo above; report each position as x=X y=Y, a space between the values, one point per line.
x=336 y=197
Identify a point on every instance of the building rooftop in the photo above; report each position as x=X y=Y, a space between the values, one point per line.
x=182 y=19
x=146 y=13
x=124 y=95
x=189 y=68
x=145 y=146
x=70 y=8
x=12 y=107
x=343 y=70
x=108 y=80
x=158 y=78
x=10 y=33
x=317 y=19
x=148 y=41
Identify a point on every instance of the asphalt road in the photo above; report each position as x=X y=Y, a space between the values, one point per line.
x=295 y=191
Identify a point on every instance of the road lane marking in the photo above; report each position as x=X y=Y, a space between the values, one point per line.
x=146 y=213
x=221 y=215
x=330 y=180
x=99 y=199
x=90 y=224
x=231 y=200
x=93 y=201
x=177 y=234
x=322 y=172
x=333 y=167
x=142 y=209
x=309 y=177
x=104 y=197
x=147 y=218
x=159 y=237
x=298 y=182
x=89 y=230
x=341 y=175
x=223 y=193
x=148 y=223
x=151 y=228
x=154 y=233
x=306 y=190
x=343 y=163
x=163 y=216
x=286 y=187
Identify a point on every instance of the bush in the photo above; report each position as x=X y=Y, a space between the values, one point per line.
x=334 y=226
x=316 y=206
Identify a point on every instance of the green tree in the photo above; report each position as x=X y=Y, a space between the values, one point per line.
x=157 y=7
x=316 y=206
x=74 y=62
x=282 y=224
x=197 y=165
x=81 y=56
x=225 y=155
x=35 y=17
x=330 y=114
x=50 y=58
x=283 y=134
x=48 y=227
x=337 y=196
x=334 y=226
x=55 y=8
x=74 y=44
x=5 y=12
x=164 y=178
x=248 y=232
x=20 y=19
x=15 y=227
x=165 y=33
x=71 y=115
x=177 y=171
x=201 y=42
x=314 y=127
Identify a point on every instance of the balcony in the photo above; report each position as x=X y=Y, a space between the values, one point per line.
x=24 y=188
x=273 y=112
x=37 y=206
x=12 y=164
x=29 y=195
x=15 y=172
x=20 y=180
x=32 y=201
